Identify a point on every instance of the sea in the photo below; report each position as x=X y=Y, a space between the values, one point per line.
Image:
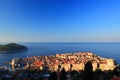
x=104 y=49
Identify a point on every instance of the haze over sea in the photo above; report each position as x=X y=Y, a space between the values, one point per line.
x=108 y=50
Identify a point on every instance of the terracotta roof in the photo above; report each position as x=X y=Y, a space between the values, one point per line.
x=38 y=63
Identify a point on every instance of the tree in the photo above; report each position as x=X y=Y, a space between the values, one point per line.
x=99 y=74
x=63 y=74
x=53 y=76
x=88 y=71
x=116 y=71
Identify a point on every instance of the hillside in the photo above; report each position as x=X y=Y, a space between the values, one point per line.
x=12 y=47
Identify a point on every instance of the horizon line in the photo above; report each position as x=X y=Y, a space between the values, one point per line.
x=61 y=42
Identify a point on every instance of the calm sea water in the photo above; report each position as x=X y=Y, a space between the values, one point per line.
x=108 y=50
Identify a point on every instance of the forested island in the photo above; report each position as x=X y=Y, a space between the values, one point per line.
x=12 y=47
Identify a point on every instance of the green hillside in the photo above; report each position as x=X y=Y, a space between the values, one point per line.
x=12 y=47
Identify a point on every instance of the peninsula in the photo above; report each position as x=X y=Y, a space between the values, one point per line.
x=12 y=47
x=77 y=60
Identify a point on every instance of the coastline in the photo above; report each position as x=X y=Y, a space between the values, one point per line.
x=77 y=59
x=41 y=49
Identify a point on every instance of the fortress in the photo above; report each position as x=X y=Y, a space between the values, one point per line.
x=78 y=60
x=70 y=61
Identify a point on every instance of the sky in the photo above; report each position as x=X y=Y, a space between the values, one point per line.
x=59 y=20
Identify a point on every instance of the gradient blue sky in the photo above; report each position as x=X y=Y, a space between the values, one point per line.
x=60 y=20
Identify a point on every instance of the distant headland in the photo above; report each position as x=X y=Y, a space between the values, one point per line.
x=12 y=47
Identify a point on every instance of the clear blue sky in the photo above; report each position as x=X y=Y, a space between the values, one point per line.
x=60 y=20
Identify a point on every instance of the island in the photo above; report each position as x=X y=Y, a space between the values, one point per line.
x=12 y=47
